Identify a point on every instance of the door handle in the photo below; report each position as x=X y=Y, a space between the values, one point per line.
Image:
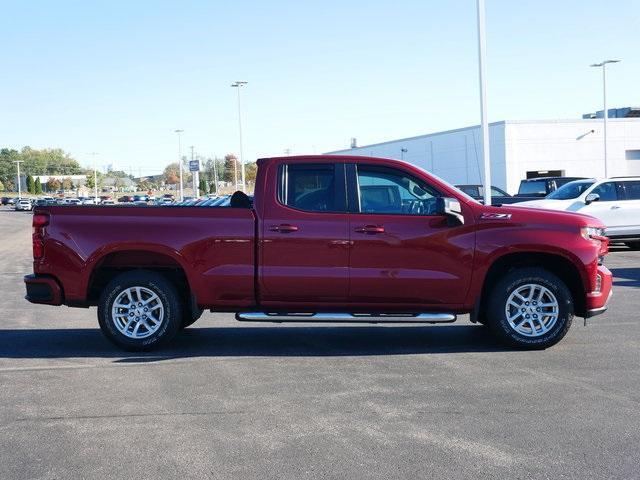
x=283 y=228
x=372 y=229
x=615 y=207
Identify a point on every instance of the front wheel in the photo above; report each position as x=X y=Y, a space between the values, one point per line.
x=139 y=310
x=530 y=308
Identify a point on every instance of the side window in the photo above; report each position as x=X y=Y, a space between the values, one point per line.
x=607 y=192
x=310 y=187
x=632 y=189
x=390 y=191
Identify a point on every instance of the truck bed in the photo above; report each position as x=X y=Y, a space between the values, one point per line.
x=217 y=244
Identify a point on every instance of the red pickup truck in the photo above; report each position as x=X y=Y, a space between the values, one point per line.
x=326 y=239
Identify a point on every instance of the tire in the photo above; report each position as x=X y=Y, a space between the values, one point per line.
x=190 y=316
x=633 y=245
x=542 y=295
x=142 y=334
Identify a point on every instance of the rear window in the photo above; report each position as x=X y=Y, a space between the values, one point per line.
x=536 y=187
x=632 y=189
x=309 y=187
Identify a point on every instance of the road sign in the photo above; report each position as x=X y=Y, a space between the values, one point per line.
x=194 y=165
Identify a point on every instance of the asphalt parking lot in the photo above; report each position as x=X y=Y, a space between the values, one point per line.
x=230 y=400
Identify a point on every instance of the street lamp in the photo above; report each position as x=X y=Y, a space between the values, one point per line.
x=605 y=113
x=238 y=85
x=179 y=132
x=482 y=68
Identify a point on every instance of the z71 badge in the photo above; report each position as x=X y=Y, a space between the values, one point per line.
x=495 y=216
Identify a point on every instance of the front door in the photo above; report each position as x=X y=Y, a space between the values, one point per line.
x=404 y=256
x=304 y=253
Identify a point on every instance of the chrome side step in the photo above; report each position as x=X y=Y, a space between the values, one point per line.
x=346 y=317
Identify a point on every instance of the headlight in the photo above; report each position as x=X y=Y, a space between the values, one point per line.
x=592 y=233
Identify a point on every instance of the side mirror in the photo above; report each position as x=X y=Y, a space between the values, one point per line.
x=451 y=208
x=592 y=197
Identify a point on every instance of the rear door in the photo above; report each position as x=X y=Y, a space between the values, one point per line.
x=630 y=209
x=305 y=240
x=403 y=256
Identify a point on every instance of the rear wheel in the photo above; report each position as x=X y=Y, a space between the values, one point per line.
x=530 y=308
x=633 y=245
x=139 y=310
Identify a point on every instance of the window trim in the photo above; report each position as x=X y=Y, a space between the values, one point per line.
x=339 y=187
x=353 y=188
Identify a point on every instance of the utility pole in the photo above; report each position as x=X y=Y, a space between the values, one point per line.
x=215 y=173
x=605 y=113
x=180 y=132
x=238 y=85
x=18 y=162
x=482 y=53
x=95 y=178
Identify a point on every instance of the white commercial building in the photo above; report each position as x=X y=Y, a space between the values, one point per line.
x=520 y=149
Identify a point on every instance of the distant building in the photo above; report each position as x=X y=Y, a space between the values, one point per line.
x=520 y=149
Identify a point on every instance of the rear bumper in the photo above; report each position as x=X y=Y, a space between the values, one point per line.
x=43 y=289
x=598 y=302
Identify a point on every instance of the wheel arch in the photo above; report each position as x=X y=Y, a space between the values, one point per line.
x=559 y=265
x=116 y=262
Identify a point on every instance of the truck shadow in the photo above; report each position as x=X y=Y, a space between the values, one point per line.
x=626 y=277
x=255 y=342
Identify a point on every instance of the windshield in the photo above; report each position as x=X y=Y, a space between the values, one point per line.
x=571 y=190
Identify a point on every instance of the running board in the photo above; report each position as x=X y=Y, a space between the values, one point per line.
x=346 y=317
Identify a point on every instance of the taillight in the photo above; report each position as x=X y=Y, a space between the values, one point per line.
x=40 y=220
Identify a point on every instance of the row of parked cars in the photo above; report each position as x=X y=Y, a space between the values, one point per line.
x=28 y=203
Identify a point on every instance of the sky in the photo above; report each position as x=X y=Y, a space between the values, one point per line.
x=118 y=77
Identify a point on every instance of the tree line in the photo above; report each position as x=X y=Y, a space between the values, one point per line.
x=48 y=161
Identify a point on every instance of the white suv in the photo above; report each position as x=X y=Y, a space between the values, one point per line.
x=23 y=204
x=615 y=201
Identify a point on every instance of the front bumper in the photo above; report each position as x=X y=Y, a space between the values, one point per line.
x=598 y=302
x=43 y=289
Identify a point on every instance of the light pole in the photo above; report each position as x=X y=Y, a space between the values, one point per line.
x=95 y=178
x=18 y=162
x=238 y=85
x=402 y=152
x=194 y=176
x=179 y=132
x=605 y=113
x=482 y=53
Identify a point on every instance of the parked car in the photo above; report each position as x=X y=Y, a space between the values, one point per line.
x=11 y=201
x=4 y=200
x=498 y=196
x=542 y=186
x=72 y=201
x=125 y=199
x=330 y=239
x=140 y=198
x=90 y=201
x=24 y=204
x=108 y=201
x=613 y=201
